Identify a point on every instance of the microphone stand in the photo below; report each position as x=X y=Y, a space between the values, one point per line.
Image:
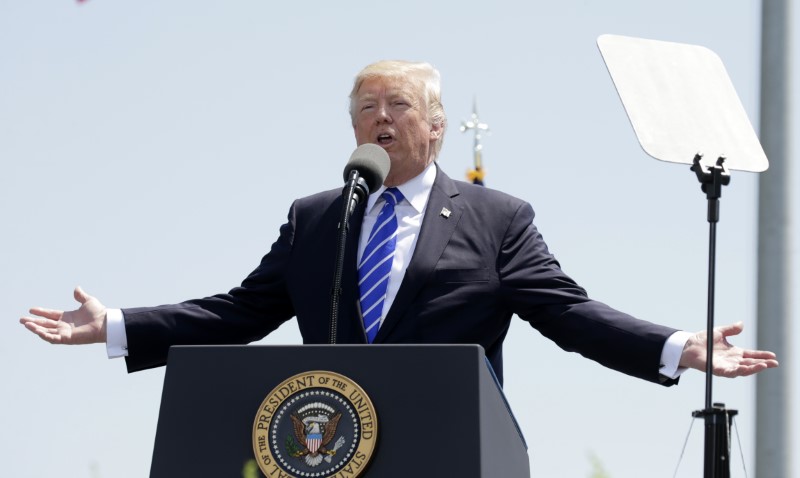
x=355 y=190
x=718 y=419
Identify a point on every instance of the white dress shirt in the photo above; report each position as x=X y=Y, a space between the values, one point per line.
x=409 y=212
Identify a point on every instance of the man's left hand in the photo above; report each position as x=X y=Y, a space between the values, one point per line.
x=729 y=360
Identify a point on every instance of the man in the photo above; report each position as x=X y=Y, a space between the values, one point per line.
x=456 y=263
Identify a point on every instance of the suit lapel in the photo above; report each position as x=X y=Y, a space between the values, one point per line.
x=437 y=227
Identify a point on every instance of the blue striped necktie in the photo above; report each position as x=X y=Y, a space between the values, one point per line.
x=376 y=263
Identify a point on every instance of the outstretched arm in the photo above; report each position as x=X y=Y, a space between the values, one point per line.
x=729 y=361
x=84 y=325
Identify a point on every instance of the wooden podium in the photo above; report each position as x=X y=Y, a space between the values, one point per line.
x=439 y=408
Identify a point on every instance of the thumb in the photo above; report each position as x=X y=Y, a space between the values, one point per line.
x=80 y=295
x=732 y=329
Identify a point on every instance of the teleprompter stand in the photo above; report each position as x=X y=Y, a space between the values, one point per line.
x=680 y=100
x=718 y=419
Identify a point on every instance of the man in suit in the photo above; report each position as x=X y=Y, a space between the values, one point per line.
x=464 y=260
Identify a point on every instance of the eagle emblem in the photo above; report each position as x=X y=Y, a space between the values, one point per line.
x=314 y=429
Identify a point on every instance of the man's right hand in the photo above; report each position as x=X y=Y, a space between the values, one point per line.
x=85 y=325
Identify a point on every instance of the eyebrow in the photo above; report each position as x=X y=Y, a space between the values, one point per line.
x=366 y=97
x=392 y=94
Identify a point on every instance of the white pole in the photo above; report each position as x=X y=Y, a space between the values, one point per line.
x=774 y=447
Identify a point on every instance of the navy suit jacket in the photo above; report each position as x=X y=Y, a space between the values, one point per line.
x=470 y=272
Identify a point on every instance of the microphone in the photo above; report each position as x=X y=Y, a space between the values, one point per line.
x=365 y=172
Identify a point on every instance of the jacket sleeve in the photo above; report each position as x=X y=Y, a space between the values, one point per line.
x=546 y=297
x=245 y=314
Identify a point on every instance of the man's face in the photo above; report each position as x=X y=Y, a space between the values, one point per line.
x=392 y=114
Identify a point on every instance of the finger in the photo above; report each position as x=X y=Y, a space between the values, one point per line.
x=44 y=333
x=738 y=370
x=49 y=313
x=35 y=321
x=771 y=363
x=732 y=329
x=80 y=295
x=759 y=354
x=745 y=370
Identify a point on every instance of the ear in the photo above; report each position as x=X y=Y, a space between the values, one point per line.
x=437 y=130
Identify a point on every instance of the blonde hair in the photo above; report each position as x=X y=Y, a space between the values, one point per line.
x=423 y=76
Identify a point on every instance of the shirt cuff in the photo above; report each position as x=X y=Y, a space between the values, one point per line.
x=671 y=354
x=116 y=338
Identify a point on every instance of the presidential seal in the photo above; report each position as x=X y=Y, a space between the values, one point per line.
x=315 y=425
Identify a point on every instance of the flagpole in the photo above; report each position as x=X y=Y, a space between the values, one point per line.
x=475 y=125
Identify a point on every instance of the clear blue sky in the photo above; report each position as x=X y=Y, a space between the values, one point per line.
x=150 y=152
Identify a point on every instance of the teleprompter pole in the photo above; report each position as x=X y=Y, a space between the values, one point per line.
x=718 y=419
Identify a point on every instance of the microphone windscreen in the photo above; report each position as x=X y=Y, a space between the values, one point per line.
x=372 y=163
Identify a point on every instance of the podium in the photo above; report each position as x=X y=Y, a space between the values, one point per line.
x=439 y=409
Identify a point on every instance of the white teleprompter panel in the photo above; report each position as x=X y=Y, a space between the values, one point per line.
x=680 y=101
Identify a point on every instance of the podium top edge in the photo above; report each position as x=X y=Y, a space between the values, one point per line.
x=322 y=346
